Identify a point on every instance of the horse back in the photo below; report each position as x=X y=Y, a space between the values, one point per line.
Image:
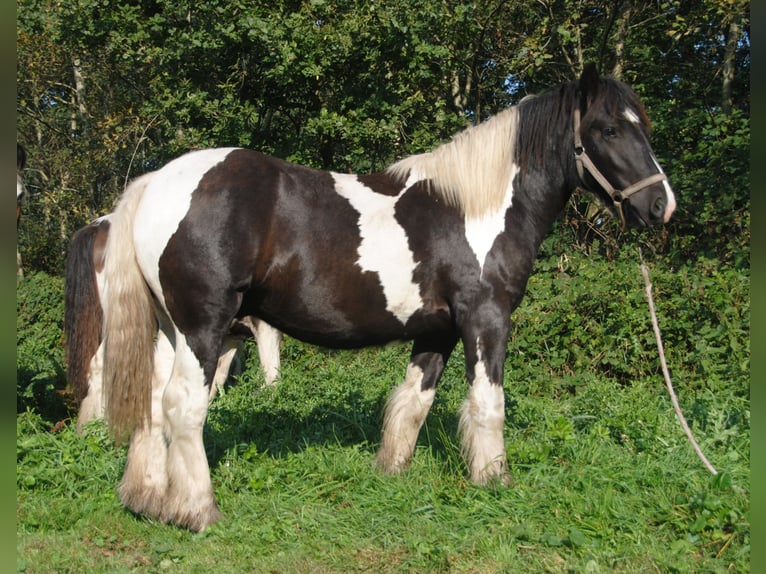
x=334 y=259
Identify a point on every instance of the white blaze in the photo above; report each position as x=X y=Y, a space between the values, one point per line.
x=671 y=206
x=631 y=116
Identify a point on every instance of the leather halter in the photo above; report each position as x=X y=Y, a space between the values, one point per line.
x=585 y=163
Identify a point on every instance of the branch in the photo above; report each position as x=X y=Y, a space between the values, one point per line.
x=135 y=150
x=665 y=372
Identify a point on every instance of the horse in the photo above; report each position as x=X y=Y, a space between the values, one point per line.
x=21 y=195
x=436 y=249
x=83 y=322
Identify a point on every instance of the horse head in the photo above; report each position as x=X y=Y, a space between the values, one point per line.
x=613 y=155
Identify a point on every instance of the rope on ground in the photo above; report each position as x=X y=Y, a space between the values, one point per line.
x=663 y=363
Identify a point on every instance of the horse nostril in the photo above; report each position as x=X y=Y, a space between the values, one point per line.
x=658 y=207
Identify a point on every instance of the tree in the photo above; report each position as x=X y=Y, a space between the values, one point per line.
x=109 y=90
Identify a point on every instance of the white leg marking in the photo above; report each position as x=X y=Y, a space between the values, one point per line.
x=482 y=420
x=268 y=340
x=228 y=352
x=406 y=410
x=92 y=406
x=481 y=232
x=189 y=501
x=145 y=481
x=384 y=248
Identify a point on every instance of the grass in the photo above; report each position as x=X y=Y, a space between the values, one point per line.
x=604 y=479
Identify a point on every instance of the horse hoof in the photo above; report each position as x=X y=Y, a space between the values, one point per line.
x=195 y=521
x=196 y=515
x=144 y=501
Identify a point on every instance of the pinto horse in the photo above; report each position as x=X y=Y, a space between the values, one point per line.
x=83 y=323
x=435 y=249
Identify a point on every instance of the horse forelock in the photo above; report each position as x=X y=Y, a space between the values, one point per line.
x=473 y=170
x=616 y=97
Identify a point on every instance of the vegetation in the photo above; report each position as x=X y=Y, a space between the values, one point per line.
x=604 y=479
x=110 y=89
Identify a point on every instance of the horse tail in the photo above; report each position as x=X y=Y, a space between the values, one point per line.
x=83 y=317
x=129 y=323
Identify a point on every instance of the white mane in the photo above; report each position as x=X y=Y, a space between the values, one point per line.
x=471 y=172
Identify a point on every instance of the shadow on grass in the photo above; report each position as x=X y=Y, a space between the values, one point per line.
x=289 y=418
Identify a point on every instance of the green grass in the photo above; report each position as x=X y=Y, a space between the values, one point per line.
x=603 y=478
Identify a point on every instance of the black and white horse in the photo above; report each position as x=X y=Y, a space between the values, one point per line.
x=435 y=249
x=83 y=324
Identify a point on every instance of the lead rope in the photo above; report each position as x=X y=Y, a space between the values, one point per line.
x=666 y=373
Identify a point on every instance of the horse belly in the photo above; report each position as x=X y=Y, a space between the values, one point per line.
x=347 y=312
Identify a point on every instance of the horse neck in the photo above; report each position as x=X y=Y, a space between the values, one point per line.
x=545 y=154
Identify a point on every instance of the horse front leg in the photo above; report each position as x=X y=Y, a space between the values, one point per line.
x=268 y=340
x=409 y=404
x=482 y=416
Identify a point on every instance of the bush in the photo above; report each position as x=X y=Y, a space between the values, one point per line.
x=40 y=370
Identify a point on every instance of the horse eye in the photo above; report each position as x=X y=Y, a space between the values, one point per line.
x=609 y=132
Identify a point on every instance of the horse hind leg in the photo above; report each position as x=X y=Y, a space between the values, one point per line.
x=144 y=483
x=229 y=351
x=92 y=406
x=267 y=339
x=189 y=501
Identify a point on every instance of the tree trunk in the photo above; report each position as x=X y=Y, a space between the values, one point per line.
x=79 y=96
x=623 y=24
x=730 y=49
x=460 y=91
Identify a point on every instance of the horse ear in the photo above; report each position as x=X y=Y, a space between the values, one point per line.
x=589 y=82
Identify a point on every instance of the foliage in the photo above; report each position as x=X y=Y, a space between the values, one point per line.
x=40 y=368
x=574 y=321
x=604 y=479
x=109 y=90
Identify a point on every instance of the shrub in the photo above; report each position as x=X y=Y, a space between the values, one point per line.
x=40 y=371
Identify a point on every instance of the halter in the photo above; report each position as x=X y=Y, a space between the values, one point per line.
x=585 y=163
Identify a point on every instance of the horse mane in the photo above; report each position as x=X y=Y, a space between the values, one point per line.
x=544 y=118
x=473 y=170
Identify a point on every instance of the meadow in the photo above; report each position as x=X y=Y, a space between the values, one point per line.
x=603 y=478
